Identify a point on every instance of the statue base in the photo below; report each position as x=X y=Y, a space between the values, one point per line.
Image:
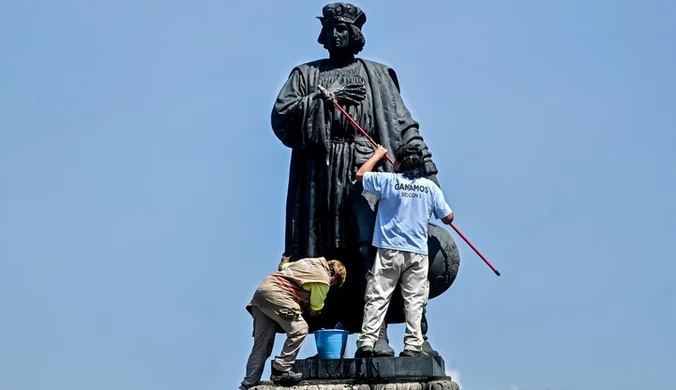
x=434 y=384
x=376 y=368
x=378 y=373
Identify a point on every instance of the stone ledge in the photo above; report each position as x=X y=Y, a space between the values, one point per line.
x=435 y=384
x=370 y=369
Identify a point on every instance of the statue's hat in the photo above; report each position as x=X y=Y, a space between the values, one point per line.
x=342 y=13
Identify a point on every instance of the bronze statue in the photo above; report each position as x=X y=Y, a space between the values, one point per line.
x=326 y=212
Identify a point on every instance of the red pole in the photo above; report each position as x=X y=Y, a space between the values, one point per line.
x=488 y=263
x=338 y=106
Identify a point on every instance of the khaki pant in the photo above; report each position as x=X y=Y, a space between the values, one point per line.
x=392 y=267
x=266 y=321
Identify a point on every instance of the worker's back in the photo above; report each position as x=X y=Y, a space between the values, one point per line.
x=404 y=210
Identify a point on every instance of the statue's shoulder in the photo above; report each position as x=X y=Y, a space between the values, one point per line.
x=312 y=65
x=376 y=65
x=381 y=70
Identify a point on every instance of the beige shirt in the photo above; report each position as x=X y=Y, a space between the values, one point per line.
x=284 y=288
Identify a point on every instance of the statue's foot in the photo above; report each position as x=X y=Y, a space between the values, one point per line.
x=382 y=347
x=427 y=348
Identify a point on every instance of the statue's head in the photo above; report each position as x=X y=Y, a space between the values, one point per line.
x=341 y=28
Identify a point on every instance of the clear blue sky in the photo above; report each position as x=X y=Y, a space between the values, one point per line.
x=142 y=190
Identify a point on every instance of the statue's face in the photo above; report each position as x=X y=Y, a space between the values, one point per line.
x=337 y=36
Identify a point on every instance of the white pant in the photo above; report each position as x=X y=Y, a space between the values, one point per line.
x=392 y=267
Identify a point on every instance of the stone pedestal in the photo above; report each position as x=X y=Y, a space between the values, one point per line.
x=381 y=373
x=438 y=384
x=368 y=369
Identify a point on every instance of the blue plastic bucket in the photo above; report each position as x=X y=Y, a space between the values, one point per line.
x=331 y=343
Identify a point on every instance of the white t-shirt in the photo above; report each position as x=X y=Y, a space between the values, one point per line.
x=404 y=210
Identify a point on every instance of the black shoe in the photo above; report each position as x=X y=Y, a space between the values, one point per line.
x=409 y=353
x=285 y=376
x=364 y=352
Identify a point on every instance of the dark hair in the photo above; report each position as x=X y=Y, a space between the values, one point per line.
x=357 y=39
x=411 y=161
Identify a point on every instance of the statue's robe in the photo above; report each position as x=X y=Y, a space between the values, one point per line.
x=327 y=212
x=328 y=150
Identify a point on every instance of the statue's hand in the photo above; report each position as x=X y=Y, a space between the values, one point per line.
x=351 y=94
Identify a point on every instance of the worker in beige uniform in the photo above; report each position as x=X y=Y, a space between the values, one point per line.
x=279 y=301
